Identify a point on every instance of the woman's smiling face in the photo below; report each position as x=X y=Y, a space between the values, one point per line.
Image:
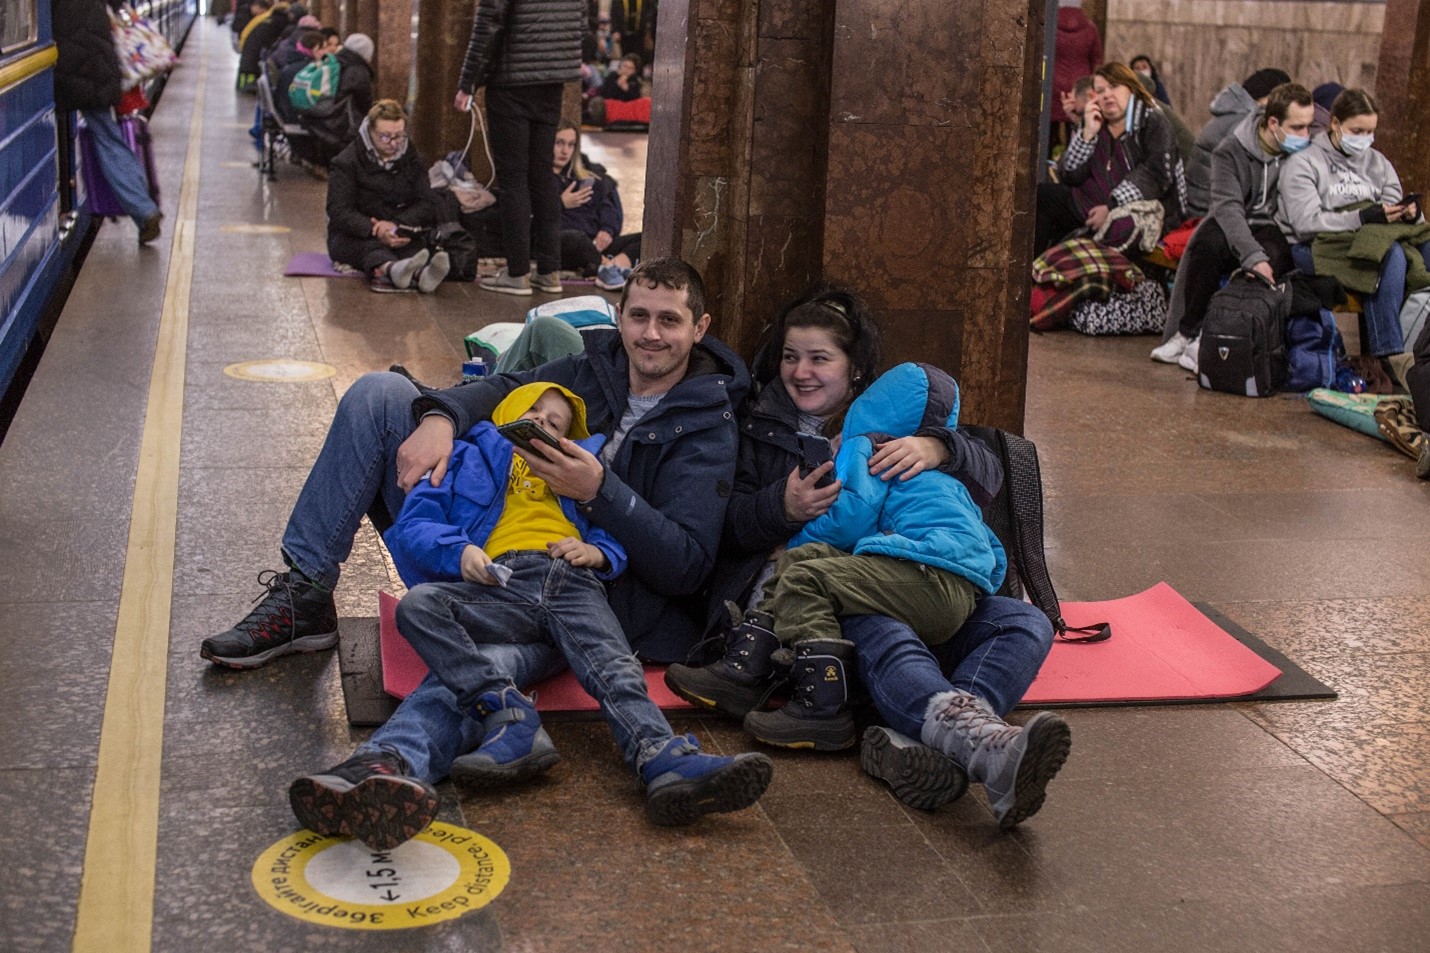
x=815 y=371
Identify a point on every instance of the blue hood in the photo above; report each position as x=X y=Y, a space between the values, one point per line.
x=904 y=400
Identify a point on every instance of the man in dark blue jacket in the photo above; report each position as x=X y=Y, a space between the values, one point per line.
x=660 y=389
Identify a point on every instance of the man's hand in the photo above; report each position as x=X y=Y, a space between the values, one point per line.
x=574 y=197
x=1070 y=106
x=463 y=102
x=907 y=457
x=386 y=232
x=1263 y=268
x=474 y=565
x=602 y=241
x=1096 y=217
x=803 y=500
x=427 y=449
x=1091 y=121
x=577 y=553
x=571 y=471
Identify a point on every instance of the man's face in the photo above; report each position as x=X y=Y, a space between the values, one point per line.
x=552 y=413
x=1111 y=99
x=389 y=136
x=658 y=331
x=1297 y=123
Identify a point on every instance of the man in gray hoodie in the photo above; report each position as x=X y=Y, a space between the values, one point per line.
x=1241 y=229
x=1234 y=103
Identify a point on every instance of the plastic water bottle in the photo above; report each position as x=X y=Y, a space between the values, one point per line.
x=1348 y=381
x=473 y=369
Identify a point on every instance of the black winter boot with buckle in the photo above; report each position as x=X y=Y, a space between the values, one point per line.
x=817 y=714
x=739 y=682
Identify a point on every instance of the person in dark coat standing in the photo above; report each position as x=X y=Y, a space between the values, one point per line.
x=523 y=52
x=380 y=206
x=87 y=79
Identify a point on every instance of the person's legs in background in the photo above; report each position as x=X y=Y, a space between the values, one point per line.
x=543 y=104
x=1382 y=309
x=1057 y=214
x=578 y=252
x=510 y=136
x=123 y=171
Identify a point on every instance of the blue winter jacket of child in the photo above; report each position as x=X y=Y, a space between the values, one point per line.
x=930 y=518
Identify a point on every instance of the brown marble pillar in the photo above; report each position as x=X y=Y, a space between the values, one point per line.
x=928 y=211
x=1402 y=91
x=392 y=59
x=887 y=147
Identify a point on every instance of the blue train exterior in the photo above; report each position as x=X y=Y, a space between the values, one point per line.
x=44 y=217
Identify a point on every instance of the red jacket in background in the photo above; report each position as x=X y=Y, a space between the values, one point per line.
x=1077 y=53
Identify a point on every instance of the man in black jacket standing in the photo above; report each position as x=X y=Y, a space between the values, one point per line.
x=87 y=78
x=523 y=52
x=381 y=207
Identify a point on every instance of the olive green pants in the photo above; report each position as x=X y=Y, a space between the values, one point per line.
x=814 y=584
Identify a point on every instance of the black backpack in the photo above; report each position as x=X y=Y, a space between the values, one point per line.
x=1417 y=379
x=1243 y=349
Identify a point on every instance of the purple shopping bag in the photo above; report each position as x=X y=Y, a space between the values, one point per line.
x=102 y=200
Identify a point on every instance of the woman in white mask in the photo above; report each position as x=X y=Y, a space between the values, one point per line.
x=1337 y=184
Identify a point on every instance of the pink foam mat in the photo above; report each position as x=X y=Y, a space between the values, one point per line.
x=402 y=669
x=1162 y=649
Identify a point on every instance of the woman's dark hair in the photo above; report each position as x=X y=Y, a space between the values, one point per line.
x=849 y=321
x=1146 y=59
x=1351 y=103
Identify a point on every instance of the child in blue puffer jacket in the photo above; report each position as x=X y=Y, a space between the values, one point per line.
x=916 y=550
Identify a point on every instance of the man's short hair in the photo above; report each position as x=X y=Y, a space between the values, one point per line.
x=311 y=39
x=388 y=109
x=1280 y=99
x=672 y=273
x=1083 y=86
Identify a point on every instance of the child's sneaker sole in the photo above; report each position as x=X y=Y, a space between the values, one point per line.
x=309 y=643
x=918 y=775
x=382 y=812
x=1049 y=743
x=732 y=788
x=482 y=774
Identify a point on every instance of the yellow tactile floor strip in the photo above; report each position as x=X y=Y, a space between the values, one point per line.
x=116 y=898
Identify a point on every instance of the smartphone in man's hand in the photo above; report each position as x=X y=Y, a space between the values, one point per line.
x=527 y=433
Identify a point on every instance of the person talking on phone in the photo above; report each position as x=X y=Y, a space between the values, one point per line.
x=381 y=207
x=1124 y=151
x=1241 y=230
x=591 y=215
x=822 y=351
x=524 y=52
x=1339 y=185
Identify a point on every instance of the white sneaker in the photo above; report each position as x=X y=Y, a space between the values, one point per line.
x=1172 y=349
x=1188 y=360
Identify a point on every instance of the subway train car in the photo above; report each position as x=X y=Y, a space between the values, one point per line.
x=44 y=217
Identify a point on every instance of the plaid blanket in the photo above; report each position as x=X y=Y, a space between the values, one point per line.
x=1076 y=270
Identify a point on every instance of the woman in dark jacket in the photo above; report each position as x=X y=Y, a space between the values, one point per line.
x=822 y=341
x=87 y=78
x=591 y=215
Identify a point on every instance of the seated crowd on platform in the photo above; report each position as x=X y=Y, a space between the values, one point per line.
x=1283 y=183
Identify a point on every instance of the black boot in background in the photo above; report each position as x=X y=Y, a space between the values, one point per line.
x=817 y=714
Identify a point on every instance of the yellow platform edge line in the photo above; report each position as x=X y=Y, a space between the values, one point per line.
x=116 y=897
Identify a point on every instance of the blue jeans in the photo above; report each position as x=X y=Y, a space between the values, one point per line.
x=995 y=655
x=546 y=601
x=355 y=473
x=1382 y=310
x=119 y=165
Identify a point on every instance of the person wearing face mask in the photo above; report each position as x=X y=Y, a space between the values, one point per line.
x=1142 y=65
x=1241 y=229
x=1338 y=185
x=1125 y=151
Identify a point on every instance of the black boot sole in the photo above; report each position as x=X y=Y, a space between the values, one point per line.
x=785 y=731
x=382 y=811
x=1049 y=743
x=918 y=775
x=732 y=788
x=713 y=693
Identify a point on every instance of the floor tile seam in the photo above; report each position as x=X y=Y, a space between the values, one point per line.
x=1327 y=772
x=793 y=859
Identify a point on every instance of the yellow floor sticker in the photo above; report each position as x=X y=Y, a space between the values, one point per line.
x=245 y=228
x=440 y=874
x=279 y=370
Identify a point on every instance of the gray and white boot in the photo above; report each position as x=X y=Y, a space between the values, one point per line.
x=1014 y=764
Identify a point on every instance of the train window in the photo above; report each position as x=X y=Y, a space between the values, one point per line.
x=17 y=24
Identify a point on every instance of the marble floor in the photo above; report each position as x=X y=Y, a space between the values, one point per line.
x=1287 y=826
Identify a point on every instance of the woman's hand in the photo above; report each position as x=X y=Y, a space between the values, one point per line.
x=575 y=196
x=803 y=500
x=577 y=553
x=907 y=457
x=1096 y=216
x=1393 y=213
x=602 y=241
x=474 y=565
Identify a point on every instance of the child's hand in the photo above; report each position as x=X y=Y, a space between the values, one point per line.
x=577 y=553
x=474 y=565
x=906 y=457
x=803 y=500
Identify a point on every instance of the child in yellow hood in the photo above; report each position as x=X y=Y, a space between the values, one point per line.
x=494 y=557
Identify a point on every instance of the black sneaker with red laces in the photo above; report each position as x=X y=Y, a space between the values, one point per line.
x=370 y=796
x=292 y=615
